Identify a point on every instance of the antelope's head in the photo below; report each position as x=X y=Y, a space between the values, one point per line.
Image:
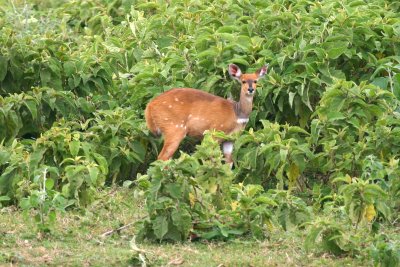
x=248 y=80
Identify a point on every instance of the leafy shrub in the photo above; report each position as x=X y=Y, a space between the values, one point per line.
x=385 y=252
x=75 y=79
x=46 y=201
x=194 y=195
x=276 y=150
x=201 y=189
x=79 y=157
x=355 y=129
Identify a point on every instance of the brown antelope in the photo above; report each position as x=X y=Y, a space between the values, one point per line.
x=185 y=111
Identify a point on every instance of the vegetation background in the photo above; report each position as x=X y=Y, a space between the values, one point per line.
x=316 y=178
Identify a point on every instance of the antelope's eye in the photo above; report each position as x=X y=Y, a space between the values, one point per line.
x=243 y=82
x=255 y=81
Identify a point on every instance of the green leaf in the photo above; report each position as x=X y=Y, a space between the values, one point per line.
x=32 y=107
x=74 y=147
x=102 y=162
x=52 y=215
x=45 y=76
x=174 y=190
x=73 y=170
x=293 y=173
x=69 y=68
x=335 y=115
x=160 y=226
x=240 y=61
x=291 y=97
x=49 y=184
x=311 y=238
x=4 y=198
x=336 y=49
x=3 y=67
x=283 y=153
x=94 y=174
x=381 y=82
x=182 y=220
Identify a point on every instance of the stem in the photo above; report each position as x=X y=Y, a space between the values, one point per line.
x=43 y=196
x=360 y=214
x=390 y=80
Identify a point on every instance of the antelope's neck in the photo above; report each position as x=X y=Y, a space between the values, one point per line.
x=243 y=107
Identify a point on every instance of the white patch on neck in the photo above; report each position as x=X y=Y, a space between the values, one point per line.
x=249 y=98
x=242 y=120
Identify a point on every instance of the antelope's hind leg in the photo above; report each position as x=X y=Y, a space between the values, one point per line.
x=172 y=139
x=227 y=148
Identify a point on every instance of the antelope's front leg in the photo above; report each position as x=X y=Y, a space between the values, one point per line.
x=227 y=148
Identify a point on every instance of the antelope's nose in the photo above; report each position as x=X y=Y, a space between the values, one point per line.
x=250 y=90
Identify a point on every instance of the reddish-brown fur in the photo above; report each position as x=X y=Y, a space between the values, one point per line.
x=186 y=111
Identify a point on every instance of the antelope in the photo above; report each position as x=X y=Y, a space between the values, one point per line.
x=182 y=112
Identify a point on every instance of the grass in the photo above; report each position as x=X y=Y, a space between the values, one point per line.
x=79 y=240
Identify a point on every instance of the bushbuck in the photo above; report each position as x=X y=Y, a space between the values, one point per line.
x=186 y=111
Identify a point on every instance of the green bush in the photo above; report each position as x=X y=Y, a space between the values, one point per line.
x=320 y=155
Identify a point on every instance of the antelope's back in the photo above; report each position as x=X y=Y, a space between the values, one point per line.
x=188 y=109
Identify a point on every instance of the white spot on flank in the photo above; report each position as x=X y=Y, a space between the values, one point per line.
x=190 y=115
x=221 y=125
x=170 y=106
x=177 y=126
x=242 y=120
x=164 y=102
x=176 y=99
x=166 y=119
x=181 y=125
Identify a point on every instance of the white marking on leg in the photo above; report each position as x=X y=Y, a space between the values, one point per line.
x=227 y=147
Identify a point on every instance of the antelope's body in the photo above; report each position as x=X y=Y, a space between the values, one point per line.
x=186 y=111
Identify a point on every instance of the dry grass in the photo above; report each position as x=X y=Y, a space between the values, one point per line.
x=78 y=240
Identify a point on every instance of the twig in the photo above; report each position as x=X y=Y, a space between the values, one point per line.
x=116 y=230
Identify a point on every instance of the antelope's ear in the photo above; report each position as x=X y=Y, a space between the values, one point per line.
x=234 y=71
x=261 y=72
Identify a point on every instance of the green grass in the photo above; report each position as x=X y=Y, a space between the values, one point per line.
x=78 y=240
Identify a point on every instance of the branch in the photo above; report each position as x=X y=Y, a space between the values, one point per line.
x=116 y=230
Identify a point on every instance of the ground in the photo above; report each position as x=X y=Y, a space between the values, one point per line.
x=82 y=238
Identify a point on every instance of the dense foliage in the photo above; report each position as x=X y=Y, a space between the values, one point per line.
x=321 y=151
